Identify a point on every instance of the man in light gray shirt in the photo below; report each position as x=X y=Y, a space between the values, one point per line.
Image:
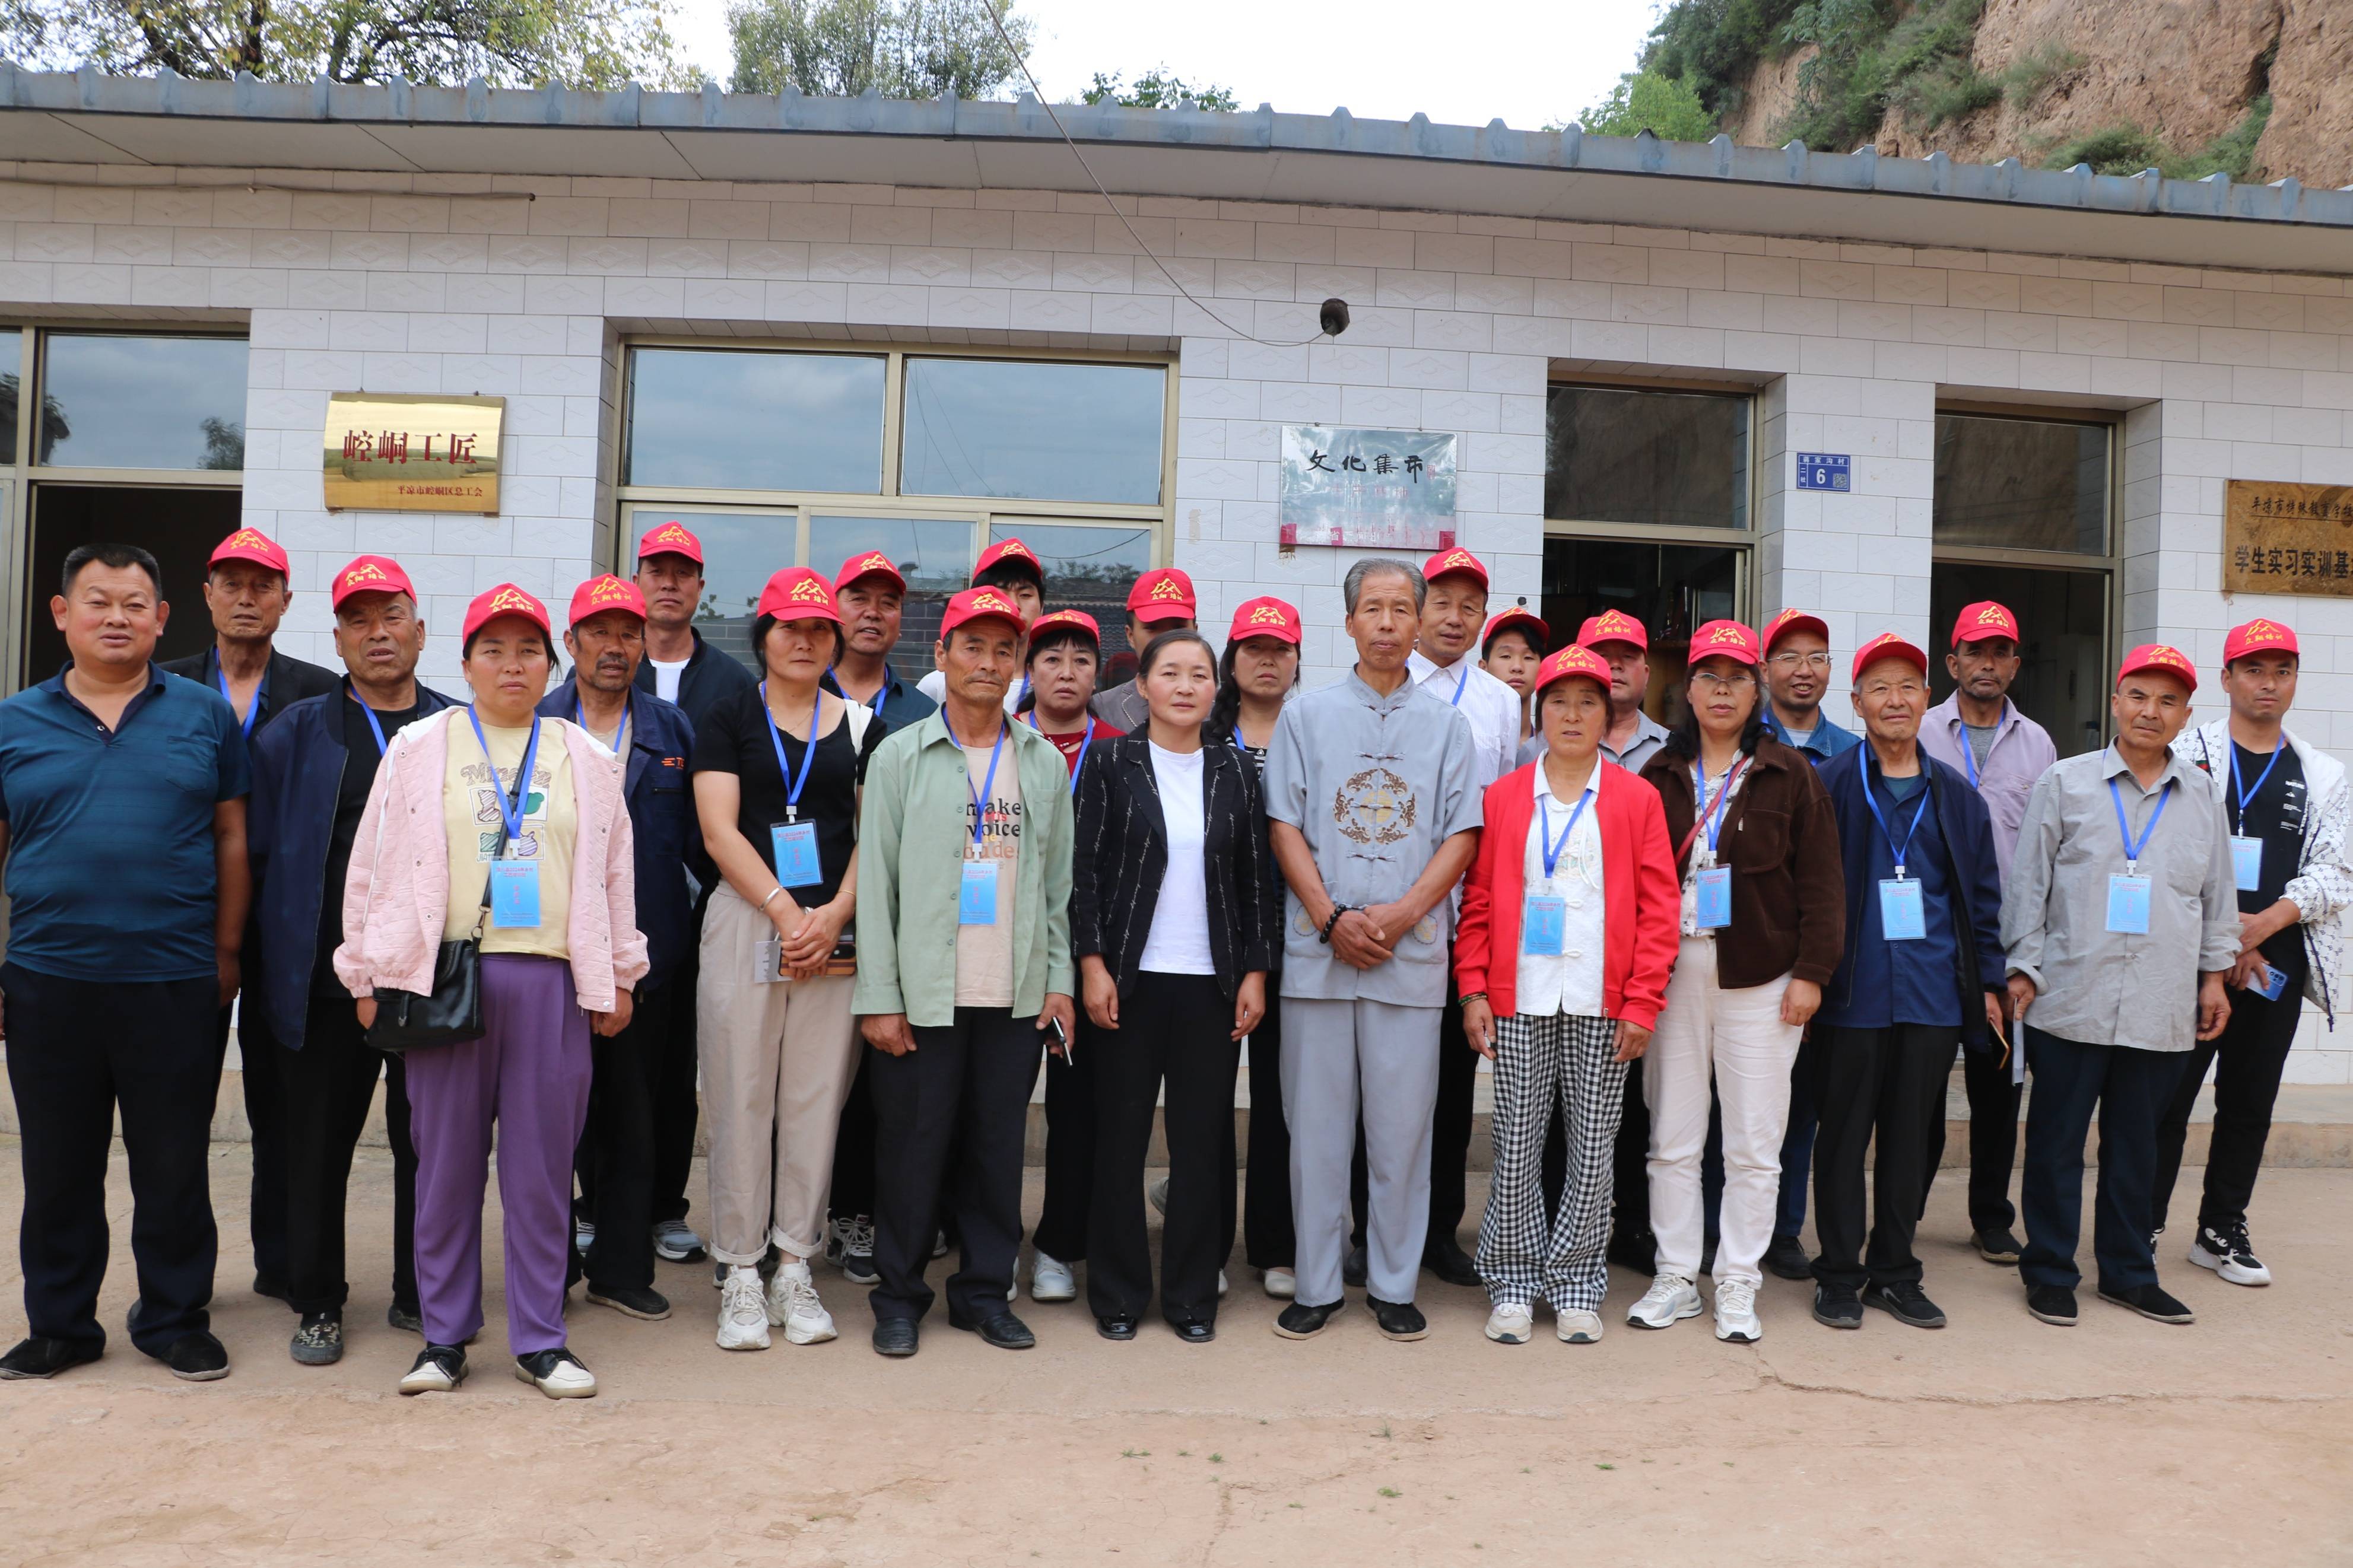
x=1375 y=813
x=2120 y=920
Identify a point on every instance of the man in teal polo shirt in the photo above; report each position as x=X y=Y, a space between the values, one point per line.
x=122 y=815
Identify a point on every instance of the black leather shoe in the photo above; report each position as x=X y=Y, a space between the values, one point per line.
x=1838 y=1307
x=1451 y=1263
x=631 y=1301
x=2151 y=1302
x=1115 y=1328
x=2052 y=1304
x=1399 y=1320
x=1998 y=1246
x=895 y=1336
x=1195 y=1331
x=196 y=1358
x=1785 y=1259
x=43 y=1358
x=1352 y=1267
x=1301 y=1321
x=1004 y=1331
x=1907 y=1303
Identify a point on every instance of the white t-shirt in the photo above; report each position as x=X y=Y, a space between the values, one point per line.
x=1571 y=980
x=666 y=675
x=1178 y=943
x=1492 y=707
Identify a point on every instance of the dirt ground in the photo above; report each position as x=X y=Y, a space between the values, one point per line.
x=2118 y=1441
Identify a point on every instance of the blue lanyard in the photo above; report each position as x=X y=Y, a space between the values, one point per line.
x=2246 y=794
x=2133 y=850
x=580 y=717
x=262 y=686
x=1551 y=847
x=373 y=728
x=880 y=691
x=989 y=785
x=1969 y=753
x=1870 y=799
x=793 y=784
x=1461 y=681
x=1083 y=744
x=510 y=811
x=1723 y=793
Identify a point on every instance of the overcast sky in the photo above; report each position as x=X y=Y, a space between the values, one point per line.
x=1526 y=62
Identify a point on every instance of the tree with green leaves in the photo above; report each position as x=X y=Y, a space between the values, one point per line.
x=1667 y=107
x=509 y=43
x=903 y=49
x=1160 y=88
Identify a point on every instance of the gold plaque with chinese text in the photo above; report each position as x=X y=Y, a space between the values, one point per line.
x=2283 y=538
x=392 y=451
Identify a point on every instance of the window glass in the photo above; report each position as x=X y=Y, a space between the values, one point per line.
x=736 y=419
x=1046 y=432
x=1619 y=456
x=12 y=359
x=741 y=551
x=2021 y=484
x=1090 y=568
x=119 y=401
x=935 y=554
x=1670 y=588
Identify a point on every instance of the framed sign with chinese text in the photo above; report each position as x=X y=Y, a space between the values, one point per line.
x=390 y=451
x=1381 y=489
x=2283 y=538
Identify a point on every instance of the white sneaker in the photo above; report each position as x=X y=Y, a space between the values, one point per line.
x=584 y=1234
x=675 y=1242
x=1511 y=1323
x=1281 y=1284
x=742 y=1313
x=558 y=1374
x=1577 y=1327
x=1670 y=1300
x=1735 y=1312
x=1050 y=1280
x=792 y=1305
x=1158 y=1195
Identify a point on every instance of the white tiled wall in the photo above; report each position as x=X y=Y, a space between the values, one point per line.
x=524 y=287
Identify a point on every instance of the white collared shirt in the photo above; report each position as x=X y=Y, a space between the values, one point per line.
x=1492 y=707
x=1569 y=981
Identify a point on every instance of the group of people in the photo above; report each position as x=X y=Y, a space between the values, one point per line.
x=840 y=921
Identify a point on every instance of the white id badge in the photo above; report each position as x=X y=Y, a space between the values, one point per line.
x=515 y=895
x=1541 y=925
x=1713 y=904
x=768 y=965
x=976 y=898
x=2246 y=862
x=794 y=845
x=2128 y=904
x=1902 y=915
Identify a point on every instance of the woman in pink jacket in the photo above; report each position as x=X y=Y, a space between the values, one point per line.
x=491 y=797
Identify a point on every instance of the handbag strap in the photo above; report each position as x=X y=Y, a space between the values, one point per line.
x=484 y=918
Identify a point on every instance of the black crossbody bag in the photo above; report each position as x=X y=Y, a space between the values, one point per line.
x=452 y=1014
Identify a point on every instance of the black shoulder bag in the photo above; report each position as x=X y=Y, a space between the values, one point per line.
x=452 y=1014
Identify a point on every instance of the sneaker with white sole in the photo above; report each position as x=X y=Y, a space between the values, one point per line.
x=1577 y=1327
x=1050 y=1281
x=558 y=1374
x=1735 y=1312
x=1158 y=1192
x=743 y=1312
x=675 y=1242
x=438 y=1370
x=1668 y=1300
x=2226 y=1250
x=1511 y=1323
x=849 y=1246
x=584 y=1232
x=1281 y=1284
x=792 y=1306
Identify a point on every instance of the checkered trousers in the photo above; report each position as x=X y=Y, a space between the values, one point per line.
x=1541 y=1063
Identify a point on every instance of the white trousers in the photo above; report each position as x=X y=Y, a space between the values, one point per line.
x=1736 y=1039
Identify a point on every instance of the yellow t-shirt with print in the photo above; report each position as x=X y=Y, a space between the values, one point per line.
x=551 y=823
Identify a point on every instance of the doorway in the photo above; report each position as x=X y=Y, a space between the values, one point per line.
x=1670 y=588
x=2062 y=671
x=178 y=526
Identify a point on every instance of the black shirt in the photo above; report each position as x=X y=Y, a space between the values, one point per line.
x=2274 y=814
x=734 y=737
x=351 y=799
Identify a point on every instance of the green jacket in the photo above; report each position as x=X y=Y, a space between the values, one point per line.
x=910 y=841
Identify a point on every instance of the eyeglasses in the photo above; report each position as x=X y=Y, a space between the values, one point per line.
x=1724 y=685
x=1815 y=661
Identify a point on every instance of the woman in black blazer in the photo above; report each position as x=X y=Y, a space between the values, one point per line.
x=1168 y=916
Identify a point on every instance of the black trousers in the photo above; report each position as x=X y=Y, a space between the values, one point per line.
x=1993 y=1137
x=617 y=1155
x=2251 y=1051
x=2130 y=1090
x=79 y=1052
x=1630 y=1160
x=1892 y=1082
x=1072 y=1088
x=674 y=1110
x=964 y=1090
x=1269 y=1238
x=1450 y=1135
x=1173 y=1028
x=852 y=1190
x=329 y=1085
x=265 y=1115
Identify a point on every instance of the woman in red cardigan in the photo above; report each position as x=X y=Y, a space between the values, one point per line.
x=1568 y=931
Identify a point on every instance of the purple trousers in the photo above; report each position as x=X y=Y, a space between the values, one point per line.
x=529 y=1074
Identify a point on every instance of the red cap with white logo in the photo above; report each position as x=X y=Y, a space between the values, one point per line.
x=1011 y=550
x=2158 y=656
x=797 y=593
x=1982 y=620
x=1887 y=645
x=1573 y=661
x=1164 y=594
x=506 y=599
x=2258 y=637
x=874 y=563
x=978 y=604
x=369 y=574
x=598 y=594
x=251 y=544
x=1455 y=562
x=673 y=538
x=1794 y=621
x=1722 y=639
x=1265 y=617
x=1613 y=625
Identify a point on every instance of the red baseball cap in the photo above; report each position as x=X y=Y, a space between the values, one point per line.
x=978 y=604
x=1078 y=619
x=506 y=599
x=369 y=574
x=1613 y=625
x=797 y=593
x=673 y=538
x=1573 y=661
x=1722 y=639
x=1794 y=621
x=251 y=544
x=1011 y=550
x=1163 y=596
x=1887 y=645
x=874 y=563
x=1265 y=617
x=1454 y=562
x=1521 y=617
x=2258 y=637
x=2158 y=656
x=598 y=594
x=1982 y=620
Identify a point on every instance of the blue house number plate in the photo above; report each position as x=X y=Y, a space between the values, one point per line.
x=1825 y=471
